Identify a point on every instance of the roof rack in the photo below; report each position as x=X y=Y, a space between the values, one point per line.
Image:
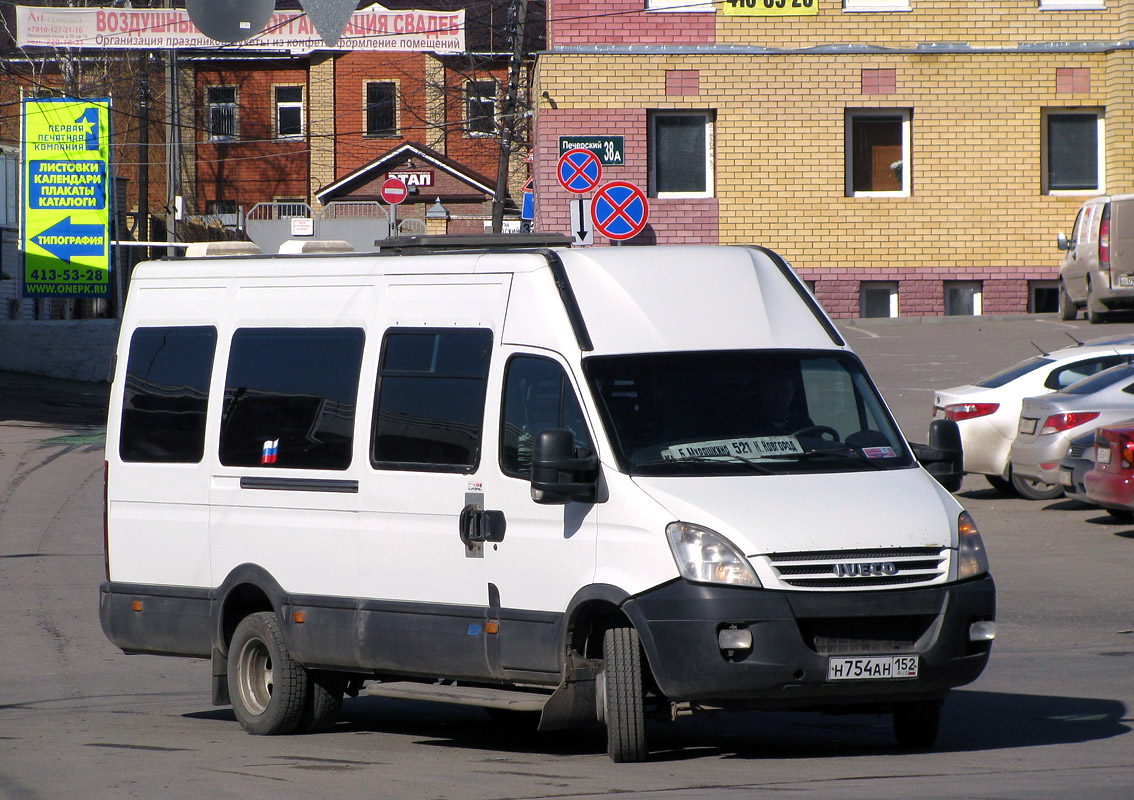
x=488 y=241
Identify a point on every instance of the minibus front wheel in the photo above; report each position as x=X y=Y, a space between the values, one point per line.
x=268 y=687
x=621 y=703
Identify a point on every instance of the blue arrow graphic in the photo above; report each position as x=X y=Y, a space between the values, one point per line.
x=65 y=240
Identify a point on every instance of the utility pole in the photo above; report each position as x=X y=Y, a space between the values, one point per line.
x=516 y=15
x=142 y=229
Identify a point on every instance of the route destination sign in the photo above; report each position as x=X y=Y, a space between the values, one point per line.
x=65 y=230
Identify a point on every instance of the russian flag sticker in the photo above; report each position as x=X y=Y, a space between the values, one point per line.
x=271 y=450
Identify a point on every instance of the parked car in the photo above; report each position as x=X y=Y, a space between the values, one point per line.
x=1098 y=265
x=988 y=411
x=1080 y=459
x=1049 y=423
x=1110 y=483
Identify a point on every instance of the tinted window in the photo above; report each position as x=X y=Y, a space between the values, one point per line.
x=1073 y=373
x=1013 y=372
x=430 y=399
x=1101 y=380
x=289 y=397
x=537 y=396
x=166 y=394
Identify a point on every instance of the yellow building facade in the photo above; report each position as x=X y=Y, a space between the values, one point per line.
x=913 y=158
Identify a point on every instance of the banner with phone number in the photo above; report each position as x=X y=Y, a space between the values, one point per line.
x=65 y=231
x=771 y=8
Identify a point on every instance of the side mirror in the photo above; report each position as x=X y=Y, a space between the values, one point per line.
x=1063 y=242
x=559 y=475
x=943 y=457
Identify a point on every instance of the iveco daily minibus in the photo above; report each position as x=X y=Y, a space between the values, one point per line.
x=604 y=486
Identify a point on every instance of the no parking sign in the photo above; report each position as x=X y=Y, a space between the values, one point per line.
x=579 y=170
x=620 y=210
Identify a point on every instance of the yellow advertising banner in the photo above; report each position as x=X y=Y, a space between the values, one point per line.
x=770 y=8
x=65 y=230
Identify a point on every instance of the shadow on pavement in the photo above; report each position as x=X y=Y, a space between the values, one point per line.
x=972 y=721
x=52 y=401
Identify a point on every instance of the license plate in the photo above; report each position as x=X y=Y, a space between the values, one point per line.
x=1126 y=280
x=1028 y=425
x=1065 y=477
x=1103 y=455
x=871 y=668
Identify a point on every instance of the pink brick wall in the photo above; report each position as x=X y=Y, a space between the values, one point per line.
x=671 y=221
x=590 y=22
x=921 y=293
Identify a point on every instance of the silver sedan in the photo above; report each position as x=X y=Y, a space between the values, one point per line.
x=1049 y=423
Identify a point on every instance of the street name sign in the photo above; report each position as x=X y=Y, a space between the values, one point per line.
x=610 y=150
x=65 y=226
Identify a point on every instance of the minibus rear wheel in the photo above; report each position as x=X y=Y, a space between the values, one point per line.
x=268 y=687
x=623 y=707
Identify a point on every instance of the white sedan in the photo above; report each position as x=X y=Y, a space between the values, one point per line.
x=988 y=412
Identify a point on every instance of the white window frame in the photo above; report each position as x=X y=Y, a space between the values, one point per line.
x=466 y=99
x=710 y=146
x=876 y=6
x=978 y=304
x=890 y=286
x=906 y=115
x=300 y=104
x=1045 y=149
x=1072 y=5
x=681 y=6
x=234 y=107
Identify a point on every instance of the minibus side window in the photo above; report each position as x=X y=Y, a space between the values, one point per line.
x=429 y=406
x=290 y=396
x=537 y=396
x=166 y=394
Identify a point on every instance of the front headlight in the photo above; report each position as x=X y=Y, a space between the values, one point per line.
x=971 y=558
x=704 y=556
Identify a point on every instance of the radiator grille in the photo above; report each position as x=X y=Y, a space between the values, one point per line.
x=861 y=569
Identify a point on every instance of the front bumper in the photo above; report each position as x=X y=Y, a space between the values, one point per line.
x=795 y=633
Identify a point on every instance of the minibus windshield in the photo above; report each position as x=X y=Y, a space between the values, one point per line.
x=743 y=412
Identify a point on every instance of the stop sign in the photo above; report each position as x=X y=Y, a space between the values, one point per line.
x=394 y=191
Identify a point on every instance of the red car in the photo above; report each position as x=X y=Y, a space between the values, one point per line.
x=1111 y=482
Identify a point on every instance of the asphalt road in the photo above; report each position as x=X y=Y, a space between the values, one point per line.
x=1048 y=719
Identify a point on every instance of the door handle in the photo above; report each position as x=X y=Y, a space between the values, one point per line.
x=478 y=525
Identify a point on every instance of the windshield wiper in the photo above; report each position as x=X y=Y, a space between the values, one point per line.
x=835 y=452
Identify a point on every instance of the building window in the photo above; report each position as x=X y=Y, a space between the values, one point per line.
x=681 y=154
x=1073 y=151
x=222 y=112
x=283 y=407
x=289 y=112
x=430 y=401
x=962 y=298
x=1072 y=5
x=680 y=6
x=1043 y=297
x=878 y=149
x=166 y=394
x=480 y=108
x=878 y=299
x=381 y=108
x=876 y=5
